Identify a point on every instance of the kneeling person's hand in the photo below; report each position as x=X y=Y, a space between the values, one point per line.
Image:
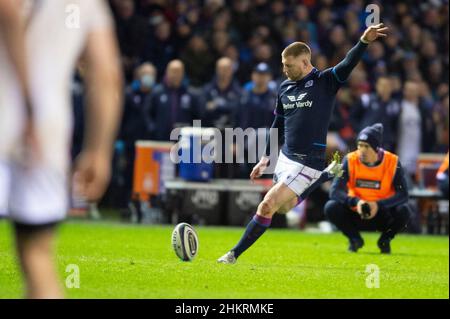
x=373 y=209
x=373 y=206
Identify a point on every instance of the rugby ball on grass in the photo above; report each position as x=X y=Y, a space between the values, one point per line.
x=185 y=241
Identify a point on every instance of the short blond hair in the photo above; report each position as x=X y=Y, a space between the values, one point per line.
x=295 y=49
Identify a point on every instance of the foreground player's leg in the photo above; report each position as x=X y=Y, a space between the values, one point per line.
x=35 y=252
x=278 y=196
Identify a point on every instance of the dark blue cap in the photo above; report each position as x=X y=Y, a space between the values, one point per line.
x=372 y=135
x=262 y=68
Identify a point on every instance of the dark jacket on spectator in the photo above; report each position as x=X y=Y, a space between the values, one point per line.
x=171 y=108
x=220 y=107
x=256 y=110
x=135 y=119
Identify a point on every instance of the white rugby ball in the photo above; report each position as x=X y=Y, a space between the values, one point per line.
x=185 y=241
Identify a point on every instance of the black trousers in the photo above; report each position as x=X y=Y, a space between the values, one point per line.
x=389 y=221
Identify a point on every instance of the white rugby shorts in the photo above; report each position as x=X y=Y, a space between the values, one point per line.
x=32 y=196
x=296 y=176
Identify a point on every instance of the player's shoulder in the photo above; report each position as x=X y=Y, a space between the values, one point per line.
x=329 y=77
x=324 y=73
x=285 y=85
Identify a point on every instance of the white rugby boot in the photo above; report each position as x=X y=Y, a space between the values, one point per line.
x=228 y=258
x=334 y=169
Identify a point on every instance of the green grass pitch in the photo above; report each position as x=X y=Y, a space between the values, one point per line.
x=129 y=261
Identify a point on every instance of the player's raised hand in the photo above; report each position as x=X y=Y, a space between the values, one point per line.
x=374 y=32
x=259 y=168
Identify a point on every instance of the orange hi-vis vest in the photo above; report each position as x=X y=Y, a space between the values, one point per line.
x=444 y=166
x=371 y=183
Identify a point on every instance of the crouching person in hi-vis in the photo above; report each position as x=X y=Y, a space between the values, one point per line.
x=372 y=193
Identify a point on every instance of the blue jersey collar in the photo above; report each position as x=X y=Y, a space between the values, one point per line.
x=308 y=75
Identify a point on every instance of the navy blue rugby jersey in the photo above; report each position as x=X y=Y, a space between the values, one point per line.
x=306 y=107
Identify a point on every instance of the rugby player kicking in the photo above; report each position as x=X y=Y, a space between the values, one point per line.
x=304 y=107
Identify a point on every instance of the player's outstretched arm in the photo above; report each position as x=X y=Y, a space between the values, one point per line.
x=345 y=67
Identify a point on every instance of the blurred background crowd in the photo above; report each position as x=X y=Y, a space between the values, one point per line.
x=219 y=61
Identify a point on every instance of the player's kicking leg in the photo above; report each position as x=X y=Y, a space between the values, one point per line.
x=296 y=182
x=278 y=195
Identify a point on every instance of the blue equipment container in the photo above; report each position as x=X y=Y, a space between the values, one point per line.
x=194 y=165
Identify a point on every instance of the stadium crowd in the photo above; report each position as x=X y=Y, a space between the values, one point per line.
x=219 y=61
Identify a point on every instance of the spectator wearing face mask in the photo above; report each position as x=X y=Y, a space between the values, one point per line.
x=136 y=122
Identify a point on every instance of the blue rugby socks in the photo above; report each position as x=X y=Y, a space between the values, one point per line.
x=255 y=228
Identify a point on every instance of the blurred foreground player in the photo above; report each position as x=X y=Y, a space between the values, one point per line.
x=371 y=194
x=34 y=188
x=303 y=111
